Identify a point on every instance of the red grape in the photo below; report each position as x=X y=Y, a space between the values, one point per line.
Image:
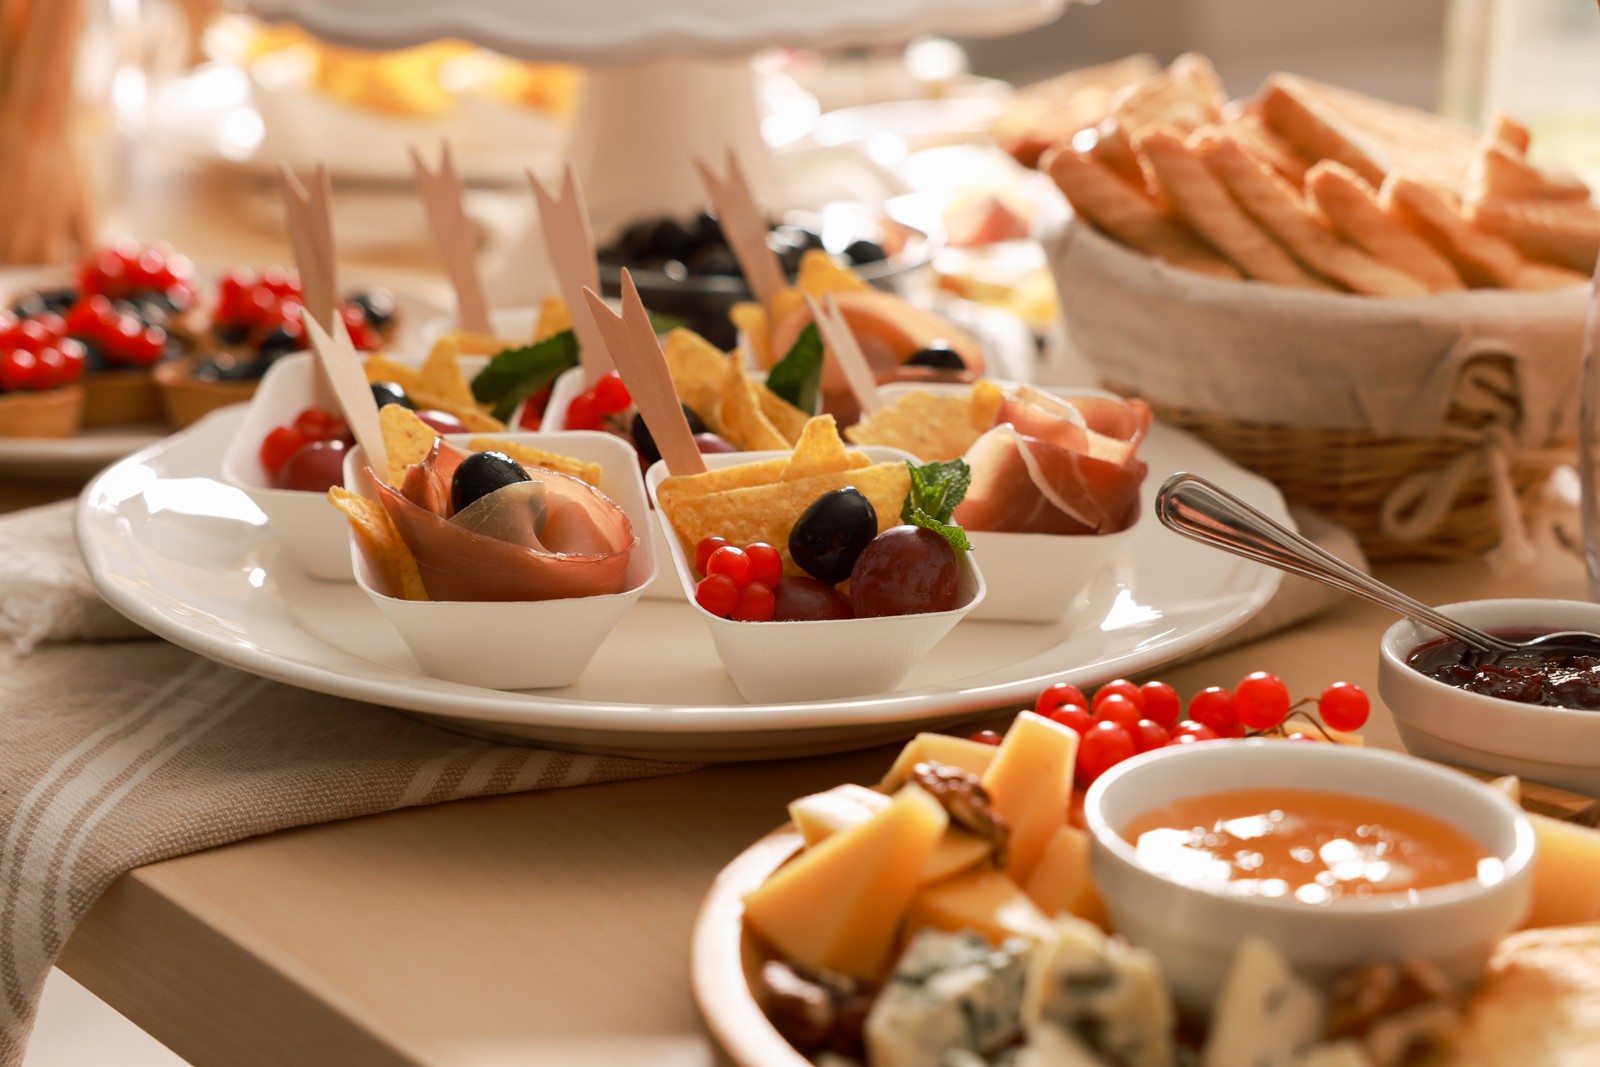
x=442 y=421
x=1161 y=703
x=710 y=444
x=807 y=600
x=1214 y=707
x=1103 y=747
x=1261 y=701
x=1119 y=709
x=987 y=737
x=1120 y=687
x=1344 y=706
x=314 y=468
x=1060 y=695
x=905 y=570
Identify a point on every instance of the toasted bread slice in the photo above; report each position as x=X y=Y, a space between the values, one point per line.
x=1482 y=259
x=1278 y=209
x=1111 y=148
x=1201 y=201
x=1117 y=208
x=1545 y=276
x=1252 y=132
x=1185 y=96
x=1042 y=115
x=1351 y=206
x=1563 y=232
x=1509 y=132
x=1500 y=172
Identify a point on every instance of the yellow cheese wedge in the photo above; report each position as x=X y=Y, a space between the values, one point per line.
x=1060 y=881
x=838 y=906
x=973 y=757
x=983 y=900
x=1566 y=873
x=821 y=815
x=1030 y=783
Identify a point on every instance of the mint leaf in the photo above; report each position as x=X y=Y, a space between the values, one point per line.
x=662 y=324
x=797 y=377
x=936 y=490
x=517 y=373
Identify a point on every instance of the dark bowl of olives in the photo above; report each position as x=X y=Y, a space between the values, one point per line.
x=1535 y=717
x=821 y=658
x=685 y=269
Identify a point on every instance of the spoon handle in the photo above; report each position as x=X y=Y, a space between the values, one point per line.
x=1201 y=510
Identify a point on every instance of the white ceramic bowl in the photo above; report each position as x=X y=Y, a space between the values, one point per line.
x=1194 y=931
x=519 y=644
x=819 y=660
x=1557 y=746
x=1031 y=577
x=311 y=532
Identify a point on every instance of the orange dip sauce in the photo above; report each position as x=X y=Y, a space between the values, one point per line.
x=1305 y=844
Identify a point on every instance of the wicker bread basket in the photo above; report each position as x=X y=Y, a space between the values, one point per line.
x=1427 y=427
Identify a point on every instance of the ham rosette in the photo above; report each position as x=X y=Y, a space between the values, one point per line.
x=1049 y=465
x=549 y=538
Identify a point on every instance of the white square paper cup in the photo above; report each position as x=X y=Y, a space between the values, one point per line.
x=518 y=644
x=1031 y=577
x=777 y=662
x=311 y=531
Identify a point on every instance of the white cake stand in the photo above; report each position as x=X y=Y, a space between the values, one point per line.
x=666 y=81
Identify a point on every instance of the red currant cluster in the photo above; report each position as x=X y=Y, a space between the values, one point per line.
x=737 y=582
x=36 y=354
x=252 y=308
x=125 y=269
x=588 y=410
x=1125 y=719
x=121 y=337
x=308 y=453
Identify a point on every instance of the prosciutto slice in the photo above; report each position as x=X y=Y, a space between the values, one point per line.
x=1056 y=466
x=549 y=538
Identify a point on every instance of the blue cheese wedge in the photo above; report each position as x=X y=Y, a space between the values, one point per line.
x=948 y=992
x=1094 y=1001
x=1265 y=1016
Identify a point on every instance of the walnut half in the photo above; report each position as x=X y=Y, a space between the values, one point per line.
x=967 y=802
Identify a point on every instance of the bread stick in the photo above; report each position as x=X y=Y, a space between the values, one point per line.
x=1351 y=206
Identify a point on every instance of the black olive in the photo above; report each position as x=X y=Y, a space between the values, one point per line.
x=378 y=304
x=670 y=240
x=864 y=251
x=279 y=342
x=481 y=474
x=938 y=355
x=713 y=259
x=646 y=444
x=385 y=393
x=832 y=533
x=707 y=231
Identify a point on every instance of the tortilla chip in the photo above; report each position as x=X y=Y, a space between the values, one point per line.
x=680 y=487
x=819 y=451
x=821 y=274
x=785 y=303
x=986 y=400
x=554 y=317
x=441 y=375
x=698 y=369
x=384 y=369
x=529 y=456
x=787 y=419
x=406 y=438
x=768 y=512
x=755 y=331
x=467 y=343
x=381 y=544
x=740 y=416
x=934 y=427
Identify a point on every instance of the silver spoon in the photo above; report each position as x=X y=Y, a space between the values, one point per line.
x=1201 y=510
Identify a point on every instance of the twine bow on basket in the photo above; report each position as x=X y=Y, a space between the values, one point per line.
x=1485 y=416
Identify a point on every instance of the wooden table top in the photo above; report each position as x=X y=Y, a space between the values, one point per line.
x=544 y=929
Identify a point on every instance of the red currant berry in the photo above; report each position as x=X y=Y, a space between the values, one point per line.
x=1119 y=688
x=1261 y=701
x=17 y=366
x=1214 y=707
x=765 y=562
x=1161 y=703
x=319 y=425
x=756 y=604
x=1119 y=709
x=702 y=551
x=610 y=395
x=51 y=371
x=75 y=359
x=1194 y=731
x=280 y=283
x=1102 y=748
x=582 y=413
x=1060 y=695
x=33 y=335
x=987 y=737
x=1149 y=734
x=717 y=594
x=1344 y=706
x=732 y=562
x=281 y=443
x=1074 y=718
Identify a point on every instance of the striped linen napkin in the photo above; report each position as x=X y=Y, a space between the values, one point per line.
x=117 y=751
